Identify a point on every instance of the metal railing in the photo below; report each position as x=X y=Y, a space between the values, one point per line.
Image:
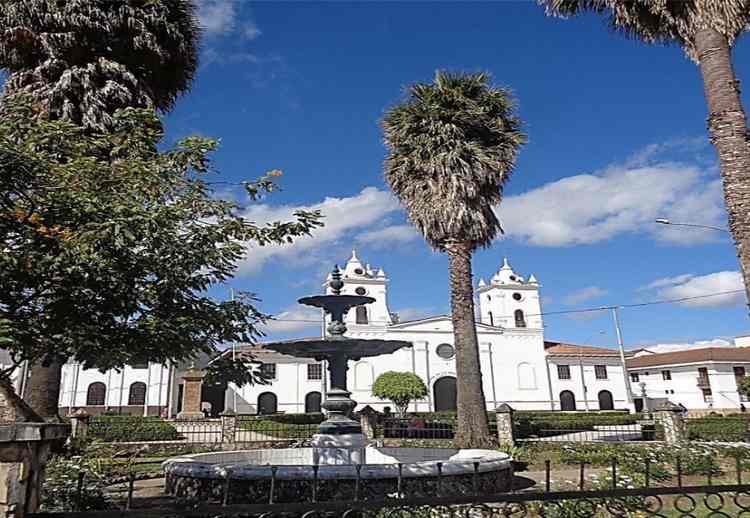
x=563 y=432
x=612 y=494
x=415 y=428
x=254 y=428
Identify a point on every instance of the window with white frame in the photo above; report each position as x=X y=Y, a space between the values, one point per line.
x=314 y=371
x=600 y=371
x=563 y=372
x=268 y=370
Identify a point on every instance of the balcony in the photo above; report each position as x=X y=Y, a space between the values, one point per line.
x=703 y=382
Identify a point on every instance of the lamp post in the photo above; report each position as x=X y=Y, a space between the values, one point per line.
x=646 y=409
x=665 y=221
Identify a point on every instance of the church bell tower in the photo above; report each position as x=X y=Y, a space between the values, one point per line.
x=509 y=300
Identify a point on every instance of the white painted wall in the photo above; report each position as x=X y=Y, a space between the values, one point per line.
x=589 y=400
x=683 y=387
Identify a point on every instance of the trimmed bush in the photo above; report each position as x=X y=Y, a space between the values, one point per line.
x=716 y=428
x=110 y=428
x=311 y=418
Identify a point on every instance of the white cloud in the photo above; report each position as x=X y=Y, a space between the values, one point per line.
x=589 y=208
x=295 y=319
x=684 y=346
x=222 y=17
x=584 y=294
x=250 y=30
x=217 y=16
x=380 y=238
x=688 y=285
x=343 y=216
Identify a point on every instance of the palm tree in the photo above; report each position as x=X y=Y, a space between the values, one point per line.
x=82 y=60
x=452 y=145
x=706 y=30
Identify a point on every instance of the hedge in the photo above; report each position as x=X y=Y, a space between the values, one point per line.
x=131 y=429
x=536 y=425
x=715 y=428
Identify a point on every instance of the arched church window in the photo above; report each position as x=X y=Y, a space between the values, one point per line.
x=137 y=393
x=95 y=394
x=361 y=315
x=526 y=376
x=520 y=319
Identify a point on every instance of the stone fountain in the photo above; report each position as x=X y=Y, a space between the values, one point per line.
x=339 y=465
x=340 y=440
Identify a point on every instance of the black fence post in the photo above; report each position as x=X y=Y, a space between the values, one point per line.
x=547 y=475
x=131 y=484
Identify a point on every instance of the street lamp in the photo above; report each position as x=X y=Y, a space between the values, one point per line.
x=646 y=409
x=665 y=221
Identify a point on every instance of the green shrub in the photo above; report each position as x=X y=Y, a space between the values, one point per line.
x=277 y=429
x=537 y=424
x=713 y=428
x=109 y=428
x=311 y=418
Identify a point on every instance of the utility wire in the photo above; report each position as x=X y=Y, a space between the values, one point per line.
x=567 y=311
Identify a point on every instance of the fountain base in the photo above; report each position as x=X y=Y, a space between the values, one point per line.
x=296 y=478
x=336 y=449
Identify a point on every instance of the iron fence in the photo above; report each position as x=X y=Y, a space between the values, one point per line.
x=570 y=431
x=613 y=493
x=253 y=428
x=415 y=428
x=198 y=431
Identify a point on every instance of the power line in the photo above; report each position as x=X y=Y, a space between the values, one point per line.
x=568 y=311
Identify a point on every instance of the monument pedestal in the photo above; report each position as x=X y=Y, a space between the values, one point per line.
x=191 y=394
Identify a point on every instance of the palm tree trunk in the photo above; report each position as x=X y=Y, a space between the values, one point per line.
x=43 y=389
x=472 y=428
x=727 y=126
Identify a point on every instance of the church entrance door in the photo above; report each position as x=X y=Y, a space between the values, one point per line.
x=445 y=394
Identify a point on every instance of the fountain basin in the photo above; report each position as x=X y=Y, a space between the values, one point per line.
x=202 y=477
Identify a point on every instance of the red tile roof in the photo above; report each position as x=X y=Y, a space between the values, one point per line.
x=563 y=349
x=725 y=354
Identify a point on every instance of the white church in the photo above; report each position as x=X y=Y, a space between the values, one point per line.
x=519 y=367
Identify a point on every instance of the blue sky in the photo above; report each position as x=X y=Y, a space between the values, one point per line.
x=616 y=138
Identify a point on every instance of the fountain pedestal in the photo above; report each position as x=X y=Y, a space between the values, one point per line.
x=339 y=449
x=339 y=430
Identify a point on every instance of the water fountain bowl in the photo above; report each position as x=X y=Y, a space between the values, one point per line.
x=425 y=472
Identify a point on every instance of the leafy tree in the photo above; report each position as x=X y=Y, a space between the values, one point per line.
x=109 y=246
x=452 y=145
x=707 y=31
x=81 y=60
x=399 y=387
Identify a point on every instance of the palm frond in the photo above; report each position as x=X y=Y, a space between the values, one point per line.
x=662 y=21
x=452 y=145
x=82 y=60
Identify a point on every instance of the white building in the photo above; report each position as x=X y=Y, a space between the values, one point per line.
x=518 y=366
x=702 y=380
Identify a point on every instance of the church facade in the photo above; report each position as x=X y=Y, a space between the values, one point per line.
x=519 y=367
